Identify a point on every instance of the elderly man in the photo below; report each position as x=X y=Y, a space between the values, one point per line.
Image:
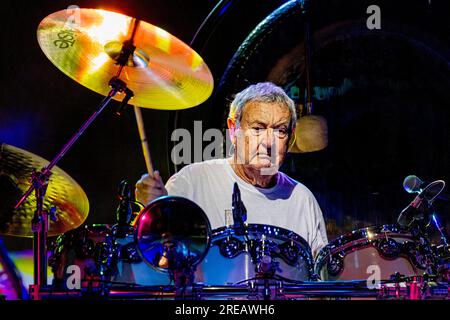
x=261 y=122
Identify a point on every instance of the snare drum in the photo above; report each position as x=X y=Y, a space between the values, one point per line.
x=357 y=255
x=276 y=251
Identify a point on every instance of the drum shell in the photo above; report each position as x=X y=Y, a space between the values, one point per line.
x=91 y=248
x=360 y=258
x=217 y=269
x=131 y=269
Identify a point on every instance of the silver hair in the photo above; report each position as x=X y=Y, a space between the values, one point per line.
x=261 y=92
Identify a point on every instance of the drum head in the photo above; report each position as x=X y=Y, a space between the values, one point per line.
x=172 y=232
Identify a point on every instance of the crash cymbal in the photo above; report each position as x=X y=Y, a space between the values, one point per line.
x=16 y=166
x=164 y=73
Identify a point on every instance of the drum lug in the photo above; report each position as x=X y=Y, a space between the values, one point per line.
x=230 y=247
x=335 y=265
x=129 y=253
x=388 y=248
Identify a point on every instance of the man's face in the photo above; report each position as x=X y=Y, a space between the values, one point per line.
x=262 y=136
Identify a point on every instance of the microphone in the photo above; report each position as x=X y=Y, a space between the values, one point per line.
x=238 y=208
x=413 y=184
x=124 y=210
x=414 y=211
x=418 y=208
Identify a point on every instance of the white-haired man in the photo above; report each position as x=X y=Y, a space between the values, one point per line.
x=261 y=122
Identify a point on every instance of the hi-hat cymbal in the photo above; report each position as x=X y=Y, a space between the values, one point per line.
x=63 y=193
x=164 y=73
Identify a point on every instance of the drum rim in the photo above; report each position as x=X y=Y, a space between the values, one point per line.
x=252 y=227
x=164 y=199
x=285 y=233
x=346 y=243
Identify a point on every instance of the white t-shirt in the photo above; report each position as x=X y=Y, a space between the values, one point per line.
x=289 y=204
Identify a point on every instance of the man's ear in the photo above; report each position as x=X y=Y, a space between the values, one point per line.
x=231 y=123
x=292 y=138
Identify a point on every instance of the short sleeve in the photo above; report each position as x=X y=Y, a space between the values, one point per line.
x=180 y=185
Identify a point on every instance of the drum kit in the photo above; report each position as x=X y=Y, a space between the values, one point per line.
x=167 y=249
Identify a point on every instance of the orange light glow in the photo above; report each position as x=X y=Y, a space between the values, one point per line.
x=114 y=26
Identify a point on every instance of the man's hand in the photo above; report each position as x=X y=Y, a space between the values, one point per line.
x=150 y=187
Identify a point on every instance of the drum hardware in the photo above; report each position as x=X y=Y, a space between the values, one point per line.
x=93 y=249
x=228 y=260
x=335 y=264
x=414 y=288
x=260 y=251
x=230 y=247
x=239 y=217
x=40 y=180
x=418 y=216
x=404 y=288
x=417 y=213
x=423 y=254
x=89 y=52
x=389 y=248
x=129 y=253
x=124 y=210
x=440 y=228
x=442 y=252
x=126 y=214
x=389 y=242
x=173 y=236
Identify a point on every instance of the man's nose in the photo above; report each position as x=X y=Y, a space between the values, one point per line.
x=268 y=138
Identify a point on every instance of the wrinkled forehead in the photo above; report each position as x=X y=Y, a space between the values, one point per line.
x=266 y=113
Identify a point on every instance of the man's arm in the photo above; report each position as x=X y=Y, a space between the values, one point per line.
x=318 y=232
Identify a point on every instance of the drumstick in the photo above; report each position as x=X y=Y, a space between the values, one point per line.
x=144 y=142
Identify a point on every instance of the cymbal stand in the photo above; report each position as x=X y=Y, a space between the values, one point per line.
x=40 y=179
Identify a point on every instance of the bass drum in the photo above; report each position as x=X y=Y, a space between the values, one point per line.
x=277 y=253
x=384 y=250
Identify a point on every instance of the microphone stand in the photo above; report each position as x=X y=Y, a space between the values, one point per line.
x=239 y=217
x=440 y=228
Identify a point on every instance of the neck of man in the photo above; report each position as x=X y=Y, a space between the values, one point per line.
x=253 y=176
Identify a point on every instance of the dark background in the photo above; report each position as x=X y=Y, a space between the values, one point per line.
x=390 y=122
